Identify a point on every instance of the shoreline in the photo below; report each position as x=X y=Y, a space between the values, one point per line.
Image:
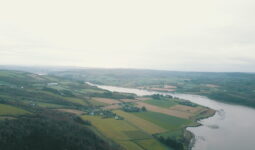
x=181 y=92
x=192 y=137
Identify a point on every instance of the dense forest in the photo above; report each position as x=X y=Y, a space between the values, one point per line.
x=49 y=130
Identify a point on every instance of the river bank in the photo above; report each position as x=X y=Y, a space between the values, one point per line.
x=187 y=135
x=227 y=129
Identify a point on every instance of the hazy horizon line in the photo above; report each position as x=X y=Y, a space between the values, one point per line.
x=111 y=68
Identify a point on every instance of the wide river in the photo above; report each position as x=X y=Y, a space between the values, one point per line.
x=231 y=128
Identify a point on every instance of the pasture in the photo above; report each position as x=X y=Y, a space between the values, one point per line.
x=114 y=129
x=49 y=105
x=96 y=103
x=137 y=135
x=73 y=111
x=112 y=107
x=173 y=134
x=151 y=144
x=11 y=110
x=187 y=109
x=163 y=120
x=76 y=100
x=106 y=100
x=125 y=133
x=130 y=145
x=143 y=124
x=128 y=100
x=166 y=111
x=161 y=103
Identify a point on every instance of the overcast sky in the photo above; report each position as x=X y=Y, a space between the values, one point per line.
x=194 y=35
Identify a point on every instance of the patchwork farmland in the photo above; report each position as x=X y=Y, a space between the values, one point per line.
x=142 y=130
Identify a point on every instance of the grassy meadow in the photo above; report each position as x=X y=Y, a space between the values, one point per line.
x=141 y=123
x=151 y=144
x=125 y=133
x=162 y=120
x=161 y=103
x=11 y=110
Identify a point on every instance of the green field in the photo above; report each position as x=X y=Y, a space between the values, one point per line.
x=77 y=101
x=114 y=129
x=137 y=134
x=173 y=134
x=49 y=105
x=97 y=103
x=134 y=131
x=161 y=103
x=43 y=105
x=143 y=124
x=11 y=110
x=162 y=120
x=151 y=144
x=130 y=145
x=124 y=133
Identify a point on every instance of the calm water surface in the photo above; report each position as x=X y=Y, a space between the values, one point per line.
x=231 y=128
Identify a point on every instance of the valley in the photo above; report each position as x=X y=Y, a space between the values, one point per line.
x=120 y=120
